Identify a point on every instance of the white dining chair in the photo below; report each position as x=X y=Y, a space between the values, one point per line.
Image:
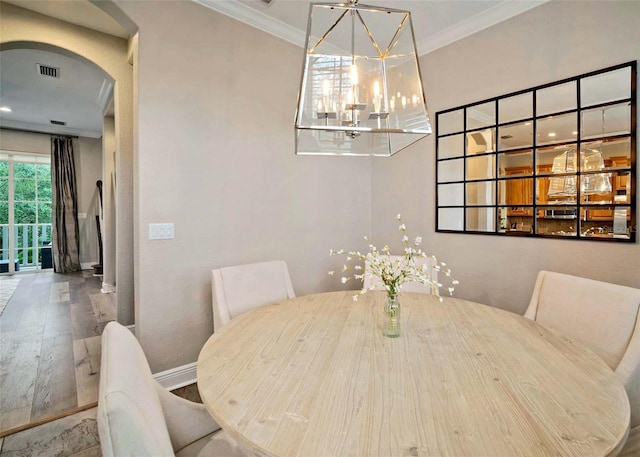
x=240 y=288
x=632 y=446
x=603 y=317
x=137 y=416
x=375 y=283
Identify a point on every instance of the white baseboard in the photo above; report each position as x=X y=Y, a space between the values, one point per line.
x=173 y=378
x=177 y=377
x=108 y=288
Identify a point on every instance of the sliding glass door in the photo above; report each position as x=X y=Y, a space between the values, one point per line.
x=25 y=212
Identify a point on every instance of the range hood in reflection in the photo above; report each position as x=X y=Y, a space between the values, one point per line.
x=560 y=213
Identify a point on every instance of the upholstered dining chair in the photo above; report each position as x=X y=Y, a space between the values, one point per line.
x=374 y=282
x=138 y=417
x=603 y=317
x=240 y=288
x=632 y=446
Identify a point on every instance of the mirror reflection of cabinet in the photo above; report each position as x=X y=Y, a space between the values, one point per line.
x=519 y=191
x=619 y=193
x=556 y=160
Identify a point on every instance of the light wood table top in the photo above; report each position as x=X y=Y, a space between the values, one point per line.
x=314 y=376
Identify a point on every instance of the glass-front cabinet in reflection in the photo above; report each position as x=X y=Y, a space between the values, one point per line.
x=557 y=160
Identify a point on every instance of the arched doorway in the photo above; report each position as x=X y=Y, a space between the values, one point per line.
x=46 y=90
x=111 y=55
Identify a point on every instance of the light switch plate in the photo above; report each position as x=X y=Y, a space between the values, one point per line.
x=161 y=231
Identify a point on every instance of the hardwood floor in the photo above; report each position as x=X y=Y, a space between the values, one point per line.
x=72 y=436
x=50 y=345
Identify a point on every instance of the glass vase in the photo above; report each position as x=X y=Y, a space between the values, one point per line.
x=391 y=323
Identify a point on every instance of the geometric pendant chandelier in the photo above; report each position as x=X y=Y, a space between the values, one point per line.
x=590 y=183
x=361 y=90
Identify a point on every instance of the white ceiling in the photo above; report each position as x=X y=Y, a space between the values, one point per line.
x=82 y=93
x=79 y=97
x=79 y=12
x=436 y=22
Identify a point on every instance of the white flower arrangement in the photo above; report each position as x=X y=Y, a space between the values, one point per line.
x=394 y=272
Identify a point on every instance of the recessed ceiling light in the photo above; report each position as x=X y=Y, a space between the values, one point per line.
x=552 y=134
x=6 y=109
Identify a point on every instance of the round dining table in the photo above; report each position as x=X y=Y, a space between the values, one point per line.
x=315 y=376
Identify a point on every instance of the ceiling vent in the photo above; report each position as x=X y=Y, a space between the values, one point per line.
x=57 y=122
x=46 y=70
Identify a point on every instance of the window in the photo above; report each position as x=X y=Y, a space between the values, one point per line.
x=25 y=212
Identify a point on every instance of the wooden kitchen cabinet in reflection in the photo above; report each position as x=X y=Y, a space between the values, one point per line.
x=620 y=192
x=600 y=214
x=542 y=189
x=621 y=182
x=519 y=191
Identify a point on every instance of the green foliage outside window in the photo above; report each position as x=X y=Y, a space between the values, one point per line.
x=24 y=213
x=24 y=170
x=28 y=258
x=32 y=193
x=4 y=189
x=24 y=190
x=44 y=190
x=4 y=213
x=32 y=196
x=43 y=172
x=44 y=213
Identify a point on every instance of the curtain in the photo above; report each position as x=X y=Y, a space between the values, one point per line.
x=66 y=237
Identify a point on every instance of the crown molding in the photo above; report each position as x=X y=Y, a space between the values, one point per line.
x=257 y=20
x=501 y=12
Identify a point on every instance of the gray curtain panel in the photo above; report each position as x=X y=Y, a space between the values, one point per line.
x=66 y=234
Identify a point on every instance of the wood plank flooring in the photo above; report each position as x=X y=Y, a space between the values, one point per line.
x=73 y=436
x=50 y=345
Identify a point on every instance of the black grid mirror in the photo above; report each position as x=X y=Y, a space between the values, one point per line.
x=555 y=161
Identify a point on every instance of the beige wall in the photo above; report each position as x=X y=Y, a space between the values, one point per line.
x=88 y=162
x=216 y=102
x=554 y=41
x=13 y=140
x=109 y=196
x=23 y=28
